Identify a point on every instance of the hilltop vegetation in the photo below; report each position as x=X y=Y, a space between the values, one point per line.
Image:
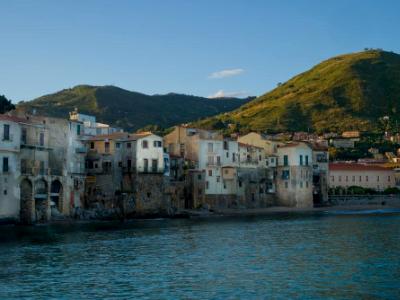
x=353 y=91
x=5 y=105
x=130 y=110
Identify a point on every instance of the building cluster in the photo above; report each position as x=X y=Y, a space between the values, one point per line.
x=52 y=168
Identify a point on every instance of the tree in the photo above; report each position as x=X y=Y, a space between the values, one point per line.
x=5 y=105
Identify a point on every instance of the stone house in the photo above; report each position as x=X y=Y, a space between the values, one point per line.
x=320 y=159
x=104 y=168
x=221 y=161
x=294 y=175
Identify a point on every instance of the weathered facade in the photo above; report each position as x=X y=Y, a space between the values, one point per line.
x=294 y=175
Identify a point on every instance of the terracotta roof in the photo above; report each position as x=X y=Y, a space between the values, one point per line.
x=248 y=145
x=289 y=145
x=112 y=136
x=136 y=136
x=5 y=117
x=355 y=167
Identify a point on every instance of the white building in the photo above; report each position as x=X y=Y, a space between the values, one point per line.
x=144 y=153
x=10 y=142
x=91 y=127
x=295 y=175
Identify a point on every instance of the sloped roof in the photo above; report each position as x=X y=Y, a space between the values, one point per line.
x=5 y=117
x=355 y=167
x=111 y=136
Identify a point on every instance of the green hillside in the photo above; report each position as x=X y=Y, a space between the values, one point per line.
x=129 y=110
x=346 y=92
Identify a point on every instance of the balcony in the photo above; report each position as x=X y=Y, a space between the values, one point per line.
x=213 y=164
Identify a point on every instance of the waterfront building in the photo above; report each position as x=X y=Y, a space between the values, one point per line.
x=345 y=175
x=235 y=174
x=295 y=175
x=10 y=147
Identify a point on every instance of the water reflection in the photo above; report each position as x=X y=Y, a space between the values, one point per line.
x=278 y=256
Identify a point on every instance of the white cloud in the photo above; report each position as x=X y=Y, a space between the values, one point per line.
x=225 y=73
x=223 y=94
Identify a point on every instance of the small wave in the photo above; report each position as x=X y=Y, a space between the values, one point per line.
x=363 y=212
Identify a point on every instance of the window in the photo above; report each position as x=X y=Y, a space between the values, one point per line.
x=377 y=178
x=207 y=185
x=129 y=145
x=41 y=167
x=240 y=183
x=145 y=144
x=92 y=145
x=157 y=144
x=199 y=177
x=107 y=147
x=5 y=165
x=227 y=154
x=120 y=164
x=6 y=132
x=211 y=160
x=347 y=178
x=306 y=160
x=24 y=166
x=301 y=160
x=233 y=157
x=224 y=184
x=286 y=184
x=389 y=178
x=366 y=178
x=210 y=173
x=41 y=139
x=23 y=136
x=259 y=157
x=117 y=145
x=359 y=179
x=285 y=174
x=210 y=147
x=78 y=129
x=301 y=184
x=145 y=165
x=340 y=178
x=226 y=145
x=306 y=184
x=218 y=178
x=285 y=160
x=218 y=160
x=129 y=164
x=353 y=179
x=154 y=165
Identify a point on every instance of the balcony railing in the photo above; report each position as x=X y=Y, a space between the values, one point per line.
x=35 y=171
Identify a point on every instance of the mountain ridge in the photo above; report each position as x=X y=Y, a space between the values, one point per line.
x=347 y=92
x=129 y=109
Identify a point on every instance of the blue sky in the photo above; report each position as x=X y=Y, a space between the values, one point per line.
x=194 y=47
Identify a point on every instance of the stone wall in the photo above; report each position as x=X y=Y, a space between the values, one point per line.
x=390 y=200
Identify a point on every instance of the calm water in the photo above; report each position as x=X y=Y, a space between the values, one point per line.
x=312 y=256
